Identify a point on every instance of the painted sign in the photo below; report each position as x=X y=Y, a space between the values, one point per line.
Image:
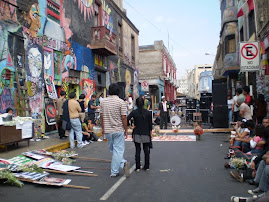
x=145 y=86
x=50 y=111
x=249 y=55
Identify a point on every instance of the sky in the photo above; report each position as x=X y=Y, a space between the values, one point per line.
x=193 y=27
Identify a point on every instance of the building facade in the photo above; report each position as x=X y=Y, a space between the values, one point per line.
x=183 y=85
x=156 y=66
x=77 y=45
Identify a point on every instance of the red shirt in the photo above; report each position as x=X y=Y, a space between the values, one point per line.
x=248 y=99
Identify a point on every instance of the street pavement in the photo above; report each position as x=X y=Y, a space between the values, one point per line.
x=179 y=171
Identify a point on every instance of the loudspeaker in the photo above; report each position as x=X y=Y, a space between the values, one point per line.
x=122 y=90
x=220 y=116
x=191 y=104
x=189 y=115
x=205 y=102
x=219 y=96
x=204 y=115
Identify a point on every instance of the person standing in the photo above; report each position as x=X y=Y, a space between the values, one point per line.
x=101 y=97
x=244 y=108
x=142 y=132
x=130 y=104
x=74 y=110
x=92 y=108
x=114 y=126
x=230 y=105
x=163 y=113
x=260 y=108
x=146 y=103
x=246 y=91
x=59 y=105
x=82 y=105
x=235 y=107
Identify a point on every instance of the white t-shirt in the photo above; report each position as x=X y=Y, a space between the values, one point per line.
x=130 y=103
x=164 y=106
x=236 y=109
x=230 y=103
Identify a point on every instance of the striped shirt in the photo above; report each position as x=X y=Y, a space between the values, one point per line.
x=112 y=108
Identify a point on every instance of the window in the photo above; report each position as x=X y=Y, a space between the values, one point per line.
x=251 y=23
x=120 y=40
x=207 y=67
x=230 y=45
x=241 y=34
x=200 y=67
x=97 y=13
x=133 y=48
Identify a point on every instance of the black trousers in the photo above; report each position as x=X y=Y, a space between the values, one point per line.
x=137 y=155
x=164 y=120
x=61 y=131
x=236 y=116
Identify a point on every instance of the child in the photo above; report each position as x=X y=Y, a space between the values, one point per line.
x=87 y=131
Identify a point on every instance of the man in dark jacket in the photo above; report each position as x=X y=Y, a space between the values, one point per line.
x=163 y=107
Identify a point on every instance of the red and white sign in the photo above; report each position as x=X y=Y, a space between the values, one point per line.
x=249 y=56
x=145 y=86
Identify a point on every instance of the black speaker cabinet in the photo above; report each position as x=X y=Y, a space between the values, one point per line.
x=220 y=116
x=219 y=95
x=205 y=118
x=191 y=104
x=205 y=102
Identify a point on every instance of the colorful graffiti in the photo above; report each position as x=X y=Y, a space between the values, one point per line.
x=128 y=80
x=48 y=63
x=87 y=88
x=107 y=19
x=35 y=84
x=86 y=7
x=57 y=67
x=7 y=10
x=32 y=22
x=6 y=88
x=136 y=85
x=113 y=72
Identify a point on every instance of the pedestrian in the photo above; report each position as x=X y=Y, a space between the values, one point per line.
x=163 y=113
x=260 y=108
x=101 y=97
x=92 y=108
x=230 y=106
x=235 y=108
x=244 y=108
x=146 y=102
x=74 y=110
x=114 y=127
x=246 y=91
x=130 y=104
x=142 y=132
x=59 y=105
x=83 y=106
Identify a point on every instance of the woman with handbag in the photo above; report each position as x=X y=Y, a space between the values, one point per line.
x=142 y=131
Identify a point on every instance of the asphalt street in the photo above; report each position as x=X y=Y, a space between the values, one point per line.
x=179 y=171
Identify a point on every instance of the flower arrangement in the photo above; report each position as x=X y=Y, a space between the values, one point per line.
x=198 y=130
x=31 y=167
x=238 y=162
x=64 y=156
x=175 y=129
x=10 y=178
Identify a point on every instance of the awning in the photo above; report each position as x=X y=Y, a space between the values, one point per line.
x=228 y=70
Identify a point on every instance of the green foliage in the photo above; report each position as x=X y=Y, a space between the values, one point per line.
x=11 y=179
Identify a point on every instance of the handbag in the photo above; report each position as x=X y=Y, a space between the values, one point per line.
x=66 y=125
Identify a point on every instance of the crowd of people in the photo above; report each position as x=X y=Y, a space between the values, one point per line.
x=249 y=141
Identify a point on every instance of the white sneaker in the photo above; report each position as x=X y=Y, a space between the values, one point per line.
x=86 y=142
x=99 y=140
x=83 y=144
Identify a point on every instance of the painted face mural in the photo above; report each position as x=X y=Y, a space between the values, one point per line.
x=128 y=82
x=87 y=87
x=33 y=19
x=6 y=89
x=35 y=62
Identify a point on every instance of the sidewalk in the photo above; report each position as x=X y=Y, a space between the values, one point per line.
x=52 y=141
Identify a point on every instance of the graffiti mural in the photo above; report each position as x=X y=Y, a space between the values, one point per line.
x=128 y=80
x=113 y=72
x=48 y=63
x=86 y=7
x=34 y=80
x=136 y=85
x=87 y=88
x=6 y=88
x=57 y=67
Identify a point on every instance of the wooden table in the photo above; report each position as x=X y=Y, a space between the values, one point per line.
x=11 y=135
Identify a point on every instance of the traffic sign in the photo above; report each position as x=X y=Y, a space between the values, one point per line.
x=145 y=86
x=249 y=56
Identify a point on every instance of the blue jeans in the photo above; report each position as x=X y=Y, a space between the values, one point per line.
x=76 y=127
x=262 y=176
x=230 y=114
x=116 y=143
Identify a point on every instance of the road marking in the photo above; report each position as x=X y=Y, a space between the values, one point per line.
x=115 y=186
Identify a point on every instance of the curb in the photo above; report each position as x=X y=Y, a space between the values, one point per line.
x=60 y=146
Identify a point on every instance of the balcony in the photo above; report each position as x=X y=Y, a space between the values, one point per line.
x=103 y=41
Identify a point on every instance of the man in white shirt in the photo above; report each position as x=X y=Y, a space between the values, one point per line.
x=235 y=107
x=163 y=113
